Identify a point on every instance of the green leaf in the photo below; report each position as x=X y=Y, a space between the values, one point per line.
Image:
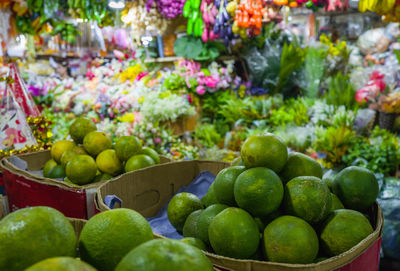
x=188 y=47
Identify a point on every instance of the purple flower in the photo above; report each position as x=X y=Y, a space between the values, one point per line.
x=35 y=91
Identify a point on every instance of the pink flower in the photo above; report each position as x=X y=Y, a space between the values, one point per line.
x=381 y=85
x=361 y=96
x=141 y=75
x=201 y=90
x=376 y=75
x=157 y=140
x=210 y=81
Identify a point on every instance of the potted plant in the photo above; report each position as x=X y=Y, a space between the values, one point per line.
x=389 y=107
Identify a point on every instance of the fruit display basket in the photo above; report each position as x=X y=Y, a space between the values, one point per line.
x=148 y=190
x=24 y=187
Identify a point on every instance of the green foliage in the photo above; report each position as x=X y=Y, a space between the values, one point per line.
x=292 y=58
x=380 y=153
x=340 y=91
x=207 y=135
x=174 y=82
x=191 y=47
x=314 y=70
x=293 y=113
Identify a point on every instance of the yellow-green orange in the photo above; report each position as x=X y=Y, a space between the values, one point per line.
x=259 y=191
x=96 y=142
x=107 y=161
x=224 y=183
x=80 y=128
x=234 y=233
x=61 y=264
x=107 y=237
x=209 y=198
x=79 y=150
x=336 y=203
x=152 y=153
x=299 y=164
x=138 y=162
x=81 y=169
x=290 y=239
x=196 y=242
x=59 y=148
x=57 y=172
x=190 y=226
x=102 y=177
x=180 y=207
x=48 y=166
x=30 y=235
x=205 y=219
x=163 y=255
x=342 y=230
x=265 y=150
x=127 y=146
x=356 y=187
x=67 y=156
x=307 y=197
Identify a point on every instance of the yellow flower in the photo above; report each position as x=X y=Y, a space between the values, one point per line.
x=127 y=117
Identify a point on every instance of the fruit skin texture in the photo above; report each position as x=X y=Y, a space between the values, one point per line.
x=81 y=169
x=57 y=172
x=165 y=255
x=30 y=235
x=61 y=264
x=342 y=230
x=203 y=223
x=152 y=153
x=108 y=162
x=127 y=146
x=234 y=233
x=258 y=191
x=80 y=128
x=96 y=142
x=107 y=237
x=196 y=242
x=336 y=203
x=289 y=239
x=224 y=183
x=102 y=177
x=190 y=226
x=265 y=150
x=308 y=198
x=138 y=162
x=299 y=164
x=48 y=166
x=180 y=207
x=58 y=149
x=356 y=187
x=209 y=198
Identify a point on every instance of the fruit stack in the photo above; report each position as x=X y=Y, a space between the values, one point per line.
x=91 y=156
x=275 y=206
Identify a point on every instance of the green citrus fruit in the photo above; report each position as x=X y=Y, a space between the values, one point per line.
x=80 y=128
x=102 y=177
x=107 y=161
x=290 y=239
x=299 y=164
x=342 y=230
x=264 y=151
x=107 y=237
x=67 y=156
x=209 y=198
x=308 y=198
x=59 y=148
x=224 y=183
x=180 y=207
x=196 y=242
x=127 y=146
x=57 y=172
x=61 y=264
x=152 y=153
x=258 y=191
x=190 y=226
x=96 y=142
x=138 y=162
x=30 y=235
x=165 y=254
x=356 y=187
x=205 y=219
x=48 y=166
x=234 y=233
x=336 y=203
x=81 y=169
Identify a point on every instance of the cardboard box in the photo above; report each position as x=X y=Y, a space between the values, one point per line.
x=24 y=188
x=147 y=190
